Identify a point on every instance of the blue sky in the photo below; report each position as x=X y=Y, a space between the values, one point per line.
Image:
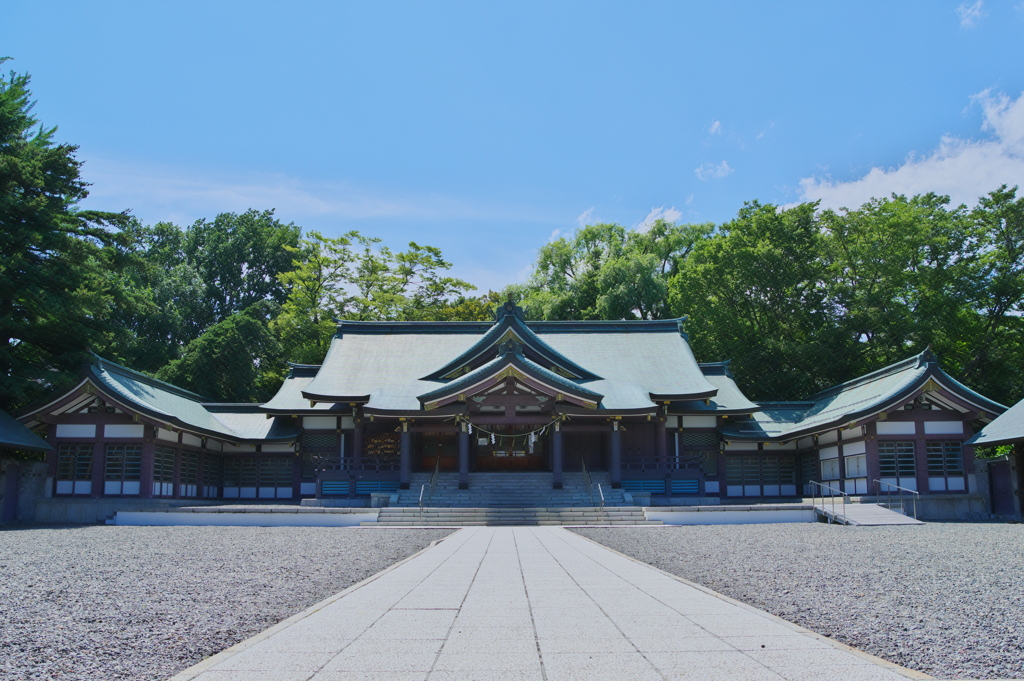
x=485 y=128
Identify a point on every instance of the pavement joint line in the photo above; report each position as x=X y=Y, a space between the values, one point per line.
x=591 y=597
x=451 y=626
x=874 y=659
x=215 y=659
x=529 y=606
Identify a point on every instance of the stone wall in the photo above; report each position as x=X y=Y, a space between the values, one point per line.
x=31 y=486
x=72 y=510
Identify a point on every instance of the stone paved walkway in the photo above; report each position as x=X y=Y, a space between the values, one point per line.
x=531 y=603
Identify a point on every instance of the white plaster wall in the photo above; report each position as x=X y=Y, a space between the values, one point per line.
x=943 y=427
x=76 y=430
x=699 y=422
x=134 y=430
x=320 y=422
x=895 y=428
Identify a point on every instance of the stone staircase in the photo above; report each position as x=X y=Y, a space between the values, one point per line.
x=510 y=490
x=467 y=517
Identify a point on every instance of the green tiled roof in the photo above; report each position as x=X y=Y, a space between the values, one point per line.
x=186 y=409
x=729 y=400
x=16 y=436
x=850 y=401
x=528 y=367
x=385 y=363
x=1009 y=427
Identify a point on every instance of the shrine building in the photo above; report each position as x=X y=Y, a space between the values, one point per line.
x=625 y=400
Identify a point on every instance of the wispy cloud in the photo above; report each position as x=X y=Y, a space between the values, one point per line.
x=710 y=171
x=157 y=193
x=963 y=169
x=585 y=218
x=970 y=13
x=716 y=128
x=660 y=213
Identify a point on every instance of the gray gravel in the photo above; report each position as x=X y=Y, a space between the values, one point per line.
x=101 y=602
x=946 y=599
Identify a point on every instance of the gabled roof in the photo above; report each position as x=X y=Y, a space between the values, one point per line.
x=509 y=324
x=16 y=436
x=1009 y=427
x=511 y=362
x=170 y=404
x=384 y=364
x=857 y=399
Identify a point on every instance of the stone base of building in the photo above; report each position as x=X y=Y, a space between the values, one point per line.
x=74 y=511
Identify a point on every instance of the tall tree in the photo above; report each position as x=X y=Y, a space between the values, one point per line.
x=239 y=257
x=316 y=295
x=235 y=360
x=605 y=271
x=55 y=295
x=753 y=294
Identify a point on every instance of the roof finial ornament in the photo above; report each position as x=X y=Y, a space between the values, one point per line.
x=508 y=309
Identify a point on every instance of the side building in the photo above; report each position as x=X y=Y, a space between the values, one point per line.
x=627 y=400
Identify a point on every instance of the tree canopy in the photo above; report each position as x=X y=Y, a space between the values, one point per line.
x=797 y=297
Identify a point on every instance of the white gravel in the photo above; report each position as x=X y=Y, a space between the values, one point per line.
x=946 y=599
x=107 y=602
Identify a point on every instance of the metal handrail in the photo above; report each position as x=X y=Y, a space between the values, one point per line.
x=601 y=492
x=915 y=495
x=820 y=486
x=587 y=482
x=423 y=488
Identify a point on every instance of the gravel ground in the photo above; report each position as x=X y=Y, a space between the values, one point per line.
x=946 y=599
x=106 y=602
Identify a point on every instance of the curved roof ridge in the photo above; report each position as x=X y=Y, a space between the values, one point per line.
x=510 y=322
x=914 y=362
x=508 y=358
x=106 y=364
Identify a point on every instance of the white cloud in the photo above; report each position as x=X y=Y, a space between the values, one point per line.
x=970 y=13
x=661 y=213
x=713 y=171
x=182 y=195
x=584 y=218
x=555 y=235
x=963 y=169
x=716 y=128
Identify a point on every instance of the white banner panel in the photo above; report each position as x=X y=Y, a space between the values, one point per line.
x=76 y=430
x=895 y=428
x=943 y=427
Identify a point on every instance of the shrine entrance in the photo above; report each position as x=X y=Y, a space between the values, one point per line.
x=509 y=448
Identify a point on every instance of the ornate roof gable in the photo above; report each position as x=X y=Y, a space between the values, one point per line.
x=509 y=325
x=511 y=364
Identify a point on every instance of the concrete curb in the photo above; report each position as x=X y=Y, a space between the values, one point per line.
x=197 y=669
x=874 y=659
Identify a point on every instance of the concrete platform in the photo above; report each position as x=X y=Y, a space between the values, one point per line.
x=534 y=603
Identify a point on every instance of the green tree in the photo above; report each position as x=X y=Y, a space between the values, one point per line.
x=753 y=293
x=607 y=272
x=316 y=295
x=239 y=257
x=235 y=360
x=55 y=293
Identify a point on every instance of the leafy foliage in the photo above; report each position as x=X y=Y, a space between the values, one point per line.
x=55 y=294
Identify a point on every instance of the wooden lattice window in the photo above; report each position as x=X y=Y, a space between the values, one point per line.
x=74 y=469
x=163 y=471
x=123 y=470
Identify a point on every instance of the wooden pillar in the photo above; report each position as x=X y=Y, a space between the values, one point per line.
x=660 y=444
x=615 y=464
x=463 y=457
x=99 y=465
x=146 y=469
x=357 y=446
x=556 y=456
x=405 y=454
